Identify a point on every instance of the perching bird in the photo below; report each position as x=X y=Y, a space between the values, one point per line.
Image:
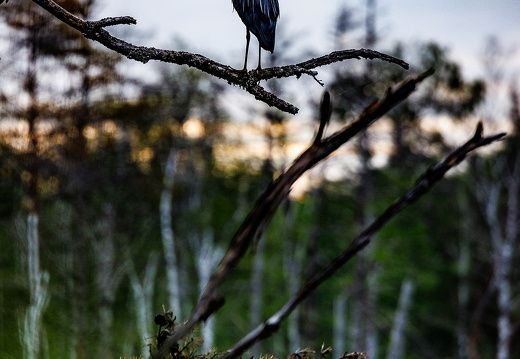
x=260 y=18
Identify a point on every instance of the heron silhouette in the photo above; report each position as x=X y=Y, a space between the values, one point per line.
x=260 y=18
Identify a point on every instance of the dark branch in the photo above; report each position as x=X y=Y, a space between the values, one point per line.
x=425 y=182
x=336 y=56
x=249 y=81
x=325 y=113
x=260 y=216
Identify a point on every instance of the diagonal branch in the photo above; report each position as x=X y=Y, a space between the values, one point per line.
x=249 y=81
x=260 y=216
x=425 y=182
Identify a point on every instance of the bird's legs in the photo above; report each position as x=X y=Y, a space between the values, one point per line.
x=248 y=37
x=259 y=67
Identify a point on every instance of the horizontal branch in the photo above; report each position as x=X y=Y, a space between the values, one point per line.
x=257 y=220
x=249 y=80
x=336 y=56
x=425 y=182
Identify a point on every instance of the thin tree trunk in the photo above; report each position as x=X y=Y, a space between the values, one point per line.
x=397 y=336
x=503 y=241
x=143 y=297
x=31 y=330
x=504 y=310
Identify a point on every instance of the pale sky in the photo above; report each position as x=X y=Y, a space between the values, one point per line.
x=212 y=28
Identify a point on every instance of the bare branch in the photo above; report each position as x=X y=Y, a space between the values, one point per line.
x=305 y=67
x=249 y=81
x=425 y=182
x=258 y=219
x=111 y=21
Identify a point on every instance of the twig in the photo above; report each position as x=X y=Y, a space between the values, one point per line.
x=421 y=186
x=258 y=219
x=249 y=81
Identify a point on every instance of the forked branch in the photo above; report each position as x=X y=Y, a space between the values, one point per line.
x=258 y=219
x=249 y=81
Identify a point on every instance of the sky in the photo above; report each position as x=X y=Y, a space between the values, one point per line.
x=212 y=28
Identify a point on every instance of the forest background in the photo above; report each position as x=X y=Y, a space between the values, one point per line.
x=119 y=196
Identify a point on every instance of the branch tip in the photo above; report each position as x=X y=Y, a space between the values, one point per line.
x=479 y=130
x=325 y=113
x=426 y=74
x=111 y=21
x=483 y=140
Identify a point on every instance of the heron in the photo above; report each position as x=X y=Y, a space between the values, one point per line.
x=260 y=18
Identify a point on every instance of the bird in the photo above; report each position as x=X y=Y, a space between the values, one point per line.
x=260 y=17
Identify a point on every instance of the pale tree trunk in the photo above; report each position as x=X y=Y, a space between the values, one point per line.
x=168 y=239
x=143 y=291
x=207 y=258
x=397 y=335
x=31 y=328
x=503 y=241
x=363 y=334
